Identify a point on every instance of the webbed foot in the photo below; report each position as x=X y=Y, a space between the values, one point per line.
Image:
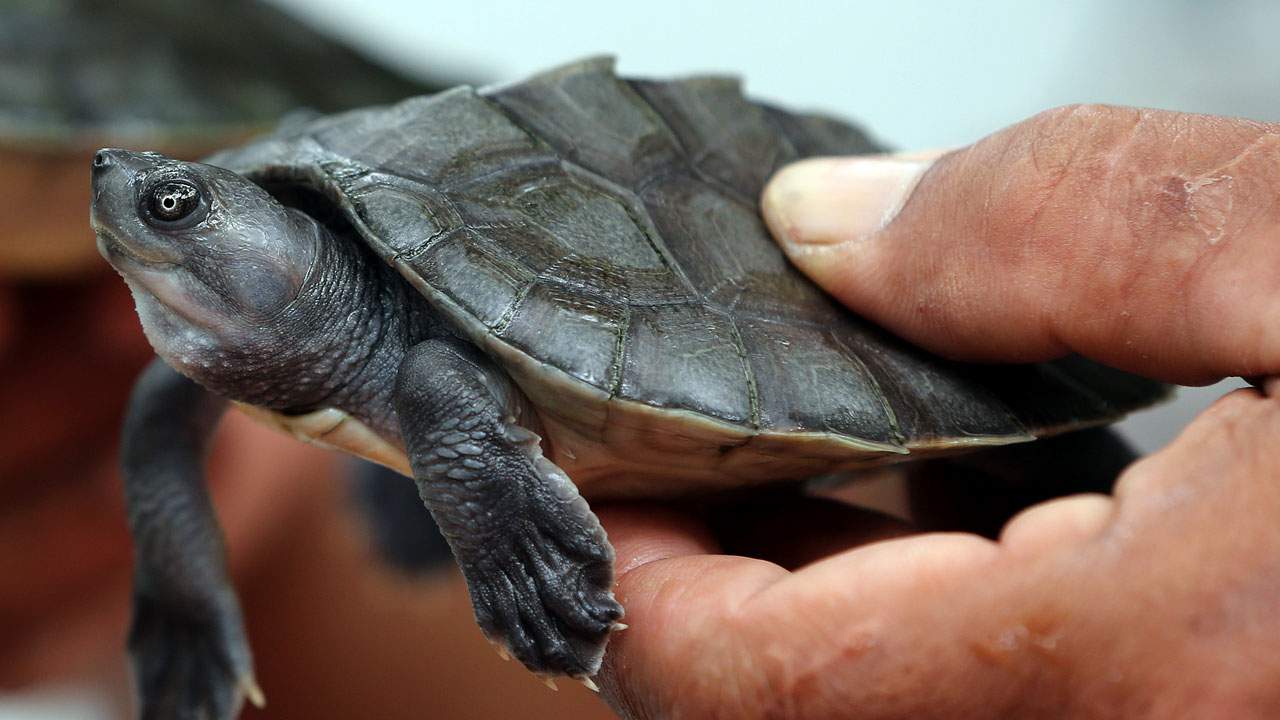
x=191 y=664
x=543 y=590
x=537 y=561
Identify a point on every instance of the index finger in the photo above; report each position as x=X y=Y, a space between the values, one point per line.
x=1148 y=240
x=733 y=636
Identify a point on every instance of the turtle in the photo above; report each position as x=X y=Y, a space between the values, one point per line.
x=521 y=296
x=78 y=74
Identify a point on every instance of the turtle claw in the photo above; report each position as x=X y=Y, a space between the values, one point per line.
x=501 y=650
x=191 y=664
x=549 y=682
x=546 y=598
x=248 y=687
x=589 y=684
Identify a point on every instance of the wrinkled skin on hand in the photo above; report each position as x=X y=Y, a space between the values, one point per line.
x=1143 y=239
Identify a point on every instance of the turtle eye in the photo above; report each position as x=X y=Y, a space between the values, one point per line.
x=173 y=201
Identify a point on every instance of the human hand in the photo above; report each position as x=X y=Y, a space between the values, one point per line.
x=1142 y=239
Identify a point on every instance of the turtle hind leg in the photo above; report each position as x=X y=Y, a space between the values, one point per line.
x=187 y=642
x=536 y=560
x=190 y=666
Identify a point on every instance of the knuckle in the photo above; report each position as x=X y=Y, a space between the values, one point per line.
x=1231 y=408
x=1083 y=118
x=1137 y=203
x=1226 y=435
x=1053 y=164
x=1079 y=136
x=1070 y=118
x=1232 y=429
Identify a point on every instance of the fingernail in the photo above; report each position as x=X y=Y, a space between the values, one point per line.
x=823 y=201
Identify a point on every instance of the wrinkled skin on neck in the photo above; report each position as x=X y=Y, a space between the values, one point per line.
x=257 y=301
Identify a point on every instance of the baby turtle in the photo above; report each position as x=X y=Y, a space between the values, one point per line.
x=519 y=296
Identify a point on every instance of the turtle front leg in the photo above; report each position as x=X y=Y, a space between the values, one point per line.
x=537 y=562
x=187 y=641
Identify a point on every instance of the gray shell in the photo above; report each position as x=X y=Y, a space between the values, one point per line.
x=601 y=238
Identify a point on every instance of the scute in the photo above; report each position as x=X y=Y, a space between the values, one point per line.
x=687 y=356
x=713 y=239
x=406 y=217
x=727 y=138
x=809 y=382
x=570 y=329
x=465 y=265
x=585 y=219
x=932 y=401
x=601 y=238
x=594 y=120
x=454 y=136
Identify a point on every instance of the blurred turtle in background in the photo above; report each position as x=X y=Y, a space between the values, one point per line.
x=184 y=77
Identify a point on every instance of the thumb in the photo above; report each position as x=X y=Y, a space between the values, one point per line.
x=1144 y=239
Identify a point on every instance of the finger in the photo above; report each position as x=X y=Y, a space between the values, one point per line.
x=672 y=582
x=1140 y=238
x=740 y=637
x=1226 y=455
x=671 y=586
x=1057 y=523
x=1189 y=559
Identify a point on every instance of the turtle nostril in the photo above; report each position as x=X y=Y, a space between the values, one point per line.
x=102 y=159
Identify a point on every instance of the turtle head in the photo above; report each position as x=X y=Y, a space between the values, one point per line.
x=211 y=258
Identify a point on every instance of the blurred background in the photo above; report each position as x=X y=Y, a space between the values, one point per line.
x=917 y=74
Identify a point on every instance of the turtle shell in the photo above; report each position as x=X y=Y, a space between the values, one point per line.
x=600 y=237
